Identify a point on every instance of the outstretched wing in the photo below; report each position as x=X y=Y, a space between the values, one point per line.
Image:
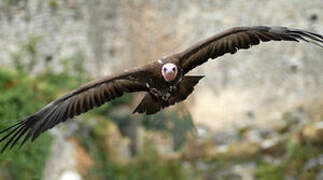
x=231 y=40
x=74 y=103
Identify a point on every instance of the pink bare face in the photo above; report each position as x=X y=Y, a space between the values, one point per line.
x=169 y=71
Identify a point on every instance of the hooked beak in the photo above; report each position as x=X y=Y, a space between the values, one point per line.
x=170 y=75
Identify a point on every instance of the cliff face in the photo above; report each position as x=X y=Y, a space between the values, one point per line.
x=250 y=105
x=258 y=85
x=253 y=86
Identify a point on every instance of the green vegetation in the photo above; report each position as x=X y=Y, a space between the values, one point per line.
x=18 y=99
x=178 y=123
x=22 y=94
x=148 y=164
x=292 y=163
x=53 y=4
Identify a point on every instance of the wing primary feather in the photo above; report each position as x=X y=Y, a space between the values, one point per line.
x=61 y=117
x=7 y=135
x=12 y=138
x=55 y=118
x=20 y=135
x=63 y=111
x=297 y=36
x=233 y=39
x=25 y=139
x=48 y=119
x=9 y=141
x=76 y=102
x=40 y=124
x=8 y=128
x=311 y=39
x=265 y=38
x=312 y=36
x=313 y=42
x=276 y=37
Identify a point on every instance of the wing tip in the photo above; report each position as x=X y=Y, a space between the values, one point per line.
x=15 y=132
x=299 y=34
x=11 y=134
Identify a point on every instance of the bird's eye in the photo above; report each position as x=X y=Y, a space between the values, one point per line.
x=174 y=69
x=164 y=69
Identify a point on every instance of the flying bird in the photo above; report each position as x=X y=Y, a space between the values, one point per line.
x=164 y=80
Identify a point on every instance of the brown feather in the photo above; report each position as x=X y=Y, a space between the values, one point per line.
x=151 y=105
x=76 y=102
x=148 y=105
x=98 y=92
x=231 y=40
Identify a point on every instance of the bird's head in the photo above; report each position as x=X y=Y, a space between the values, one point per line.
x=169 y=71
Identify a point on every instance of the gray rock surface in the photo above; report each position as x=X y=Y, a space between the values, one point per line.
x=114 y=35
x=252 y=88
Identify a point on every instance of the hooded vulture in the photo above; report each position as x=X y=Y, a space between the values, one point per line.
x=164 y=80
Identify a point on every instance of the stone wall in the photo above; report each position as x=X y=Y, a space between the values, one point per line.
x=248 y=94
x=253 y=86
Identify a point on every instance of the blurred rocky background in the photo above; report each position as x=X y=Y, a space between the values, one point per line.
x=256 y=115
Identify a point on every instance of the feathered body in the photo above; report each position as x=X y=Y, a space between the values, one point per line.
x=164 y=80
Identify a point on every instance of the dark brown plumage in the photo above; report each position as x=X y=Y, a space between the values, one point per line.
x=164 y=80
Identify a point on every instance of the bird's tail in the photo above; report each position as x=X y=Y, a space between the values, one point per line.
x=148 y=105
x=151 y=105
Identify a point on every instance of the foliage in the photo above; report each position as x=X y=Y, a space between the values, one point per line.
x=26 y=57
x=293 y=163
x=146 y=165
x=149 y=165
x=53 y=4
x=18 y=99
x=17 y=90
x=177 y=122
